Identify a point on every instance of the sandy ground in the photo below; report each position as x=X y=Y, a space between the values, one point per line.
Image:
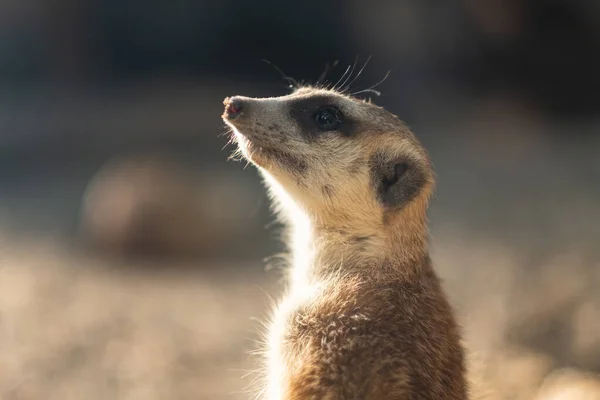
x=77 y=327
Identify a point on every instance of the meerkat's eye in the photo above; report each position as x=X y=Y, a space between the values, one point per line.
x=328 y=119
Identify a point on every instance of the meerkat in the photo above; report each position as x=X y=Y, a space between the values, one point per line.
x=364 y=315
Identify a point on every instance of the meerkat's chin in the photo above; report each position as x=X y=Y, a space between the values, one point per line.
x=245 y=146
x=250 y=150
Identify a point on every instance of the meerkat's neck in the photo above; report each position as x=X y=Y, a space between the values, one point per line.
x=320 y=251
x=327 y=247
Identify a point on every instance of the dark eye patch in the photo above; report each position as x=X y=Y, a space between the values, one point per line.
x=318 y=114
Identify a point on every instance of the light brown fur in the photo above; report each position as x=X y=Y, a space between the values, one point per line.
x=365 y=316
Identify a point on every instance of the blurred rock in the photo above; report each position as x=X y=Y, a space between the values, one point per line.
x=154 y=206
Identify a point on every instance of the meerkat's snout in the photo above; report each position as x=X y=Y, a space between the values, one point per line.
x=261 y=127
x=233 y=107
x=246 y=114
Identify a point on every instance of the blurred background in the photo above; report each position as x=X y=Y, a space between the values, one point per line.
x=133 y=253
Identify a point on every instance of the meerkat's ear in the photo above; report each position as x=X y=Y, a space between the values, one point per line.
x=397 y=180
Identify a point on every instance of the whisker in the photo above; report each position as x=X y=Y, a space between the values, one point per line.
x=342 y=77
x=357 y=75
x=328 y=68
x=226 y=130
x=349 y=75
x=375 y=92
x=294 y=83
x=372 y=88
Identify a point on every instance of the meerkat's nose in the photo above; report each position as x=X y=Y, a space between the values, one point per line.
x=233 y=107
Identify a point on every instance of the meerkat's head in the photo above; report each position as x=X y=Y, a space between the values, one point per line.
x=338 y=158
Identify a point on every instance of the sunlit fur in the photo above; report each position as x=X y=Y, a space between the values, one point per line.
x=350 y=256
